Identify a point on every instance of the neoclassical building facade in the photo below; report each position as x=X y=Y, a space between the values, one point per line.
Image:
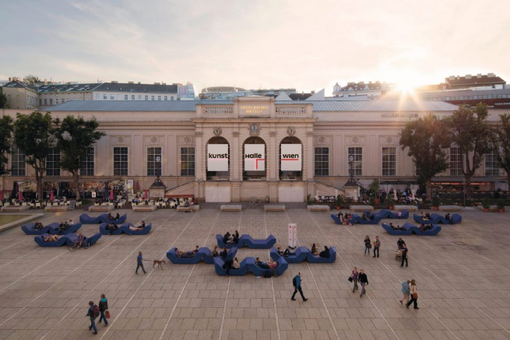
x=230 y=151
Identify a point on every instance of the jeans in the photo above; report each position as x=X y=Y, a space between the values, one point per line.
x=411 y=301
x=300 y=292
x=355 y=287
x=93 y=324
x=363 y=292
x=403 y=259
x=376 y=249
x=103 y=317
x=367 y=250
x=140 y=265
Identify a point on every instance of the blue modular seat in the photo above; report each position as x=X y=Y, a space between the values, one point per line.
x=431 y=232
x=391 y=231
x=59 y=243
x=203 y=254
x=317 y=259
x=260 y=271
x=104 y=231
x=243 y=267
x=209 y=259
x=358 y=219
x=248 y=241
x=299 y=255
x=336 y=219
x=72 y=229
x=86 y=219
x=455 y=219
x=144 y=231
x=120 y=220
x=29 y=228
x=72 y=238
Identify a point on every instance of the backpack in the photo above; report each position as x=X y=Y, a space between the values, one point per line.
x=267 y=274
x=95 y=311
x=294 y=281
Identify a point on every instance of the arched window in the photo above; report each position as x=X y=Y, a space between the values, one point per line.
x=218 y=159
x=254 y=159
x=291 y=159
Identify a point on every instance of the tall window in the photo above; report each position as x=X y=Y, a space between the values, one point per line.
x=188 y=161
x=455 y=162
x=17 y=162
x=53 y=163
x=88 y=163
x=105 y=96
x=125 y=97
x=321 y=161
x=154 y=162
x=146 y=97
x=492 y=165
x=132 y=97
x=120 y=161
x=152 y=97
x=357 y=164
x=389 y=161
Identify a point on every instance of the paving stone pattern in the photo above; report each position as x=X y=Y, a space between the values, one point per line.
x=463 y=280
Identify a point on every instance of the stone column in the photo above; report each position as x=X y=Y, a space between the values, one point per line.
x=235 y=158
x=199 y=157
x=308 y=158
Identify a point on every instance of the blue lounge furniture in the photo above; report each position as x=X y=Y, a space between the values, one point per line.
x=124 y=228
x=311 y=258
x=248 y=265
x=299 y=255
x=209 y=259
x=86 y=219
x=431 y=232
x=260 y=271
x=391 y=231
x=357 y=219
x=72 y=238
x=72 y=229
x=104 y=231
x=385 y=213
x=29 y=229
x=203 y=254
x=59 y=243
x=418 y=219
x=248 y=241
x=455 y=219
x=336 y=219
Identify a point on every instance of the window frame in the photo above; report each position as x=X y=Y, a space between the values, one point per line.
x=152 y=162
x=360 y=161
x=387 y=171
x=119 y=171
x=187 y=170
x=321 y=166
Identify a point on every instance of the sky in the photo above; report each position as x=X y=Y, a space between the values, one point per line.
x=307 y=45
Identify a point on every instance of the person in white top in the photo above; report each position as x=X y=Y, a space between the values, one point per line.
x=414 y=295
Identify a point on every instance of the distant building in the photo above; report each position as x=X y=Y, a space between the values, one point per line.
x=370 y=89
x=186 y=92
x=20 y=95
x=231 y=92
x=462 y=82
x=135 y=91
x=55 y=94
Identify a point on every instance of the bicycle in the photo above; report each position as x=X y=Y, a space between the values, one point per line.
x=78 y=245
x=254 y=203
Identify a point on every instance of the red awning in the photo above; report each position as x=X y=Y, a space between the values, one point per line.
x=181 y=196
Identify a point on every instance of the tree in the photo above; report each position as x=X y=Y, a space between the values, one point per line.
x=426 y=140
x=501 y=143
x=33 y=135
x=74 y=136
x=6 y=129
x=471 y=132
x=3 y=99
x=31 y=79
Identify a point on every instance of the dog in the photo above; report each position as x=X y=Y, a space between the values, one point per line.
x=158 y=263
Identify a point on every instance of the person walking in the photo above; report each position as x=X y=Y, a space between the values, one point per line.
x=354 y=277
x=368 y=245
x=363 y=280
x=414 y=295
x=377 y=245
x=296 y=282
x=405 y=291
x=103 y=307
x=139 y=263
x=404 y=255
x=93 y=313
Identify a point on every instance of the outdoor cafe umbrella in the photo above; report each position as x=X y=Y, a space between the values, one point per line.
x=111 y=194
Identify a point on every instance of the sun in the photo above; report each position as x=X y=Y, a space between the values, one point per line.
x=406 y=85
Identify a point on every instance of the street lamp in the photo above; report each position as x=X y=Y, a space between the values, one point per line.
x=351 y=181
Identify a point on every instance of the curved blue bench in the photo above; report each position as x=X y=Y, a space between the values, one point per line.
x=358 y=219
x=203 y=254
x=385 y=213
x=248 y=265
x=124 y=228
x=72 y=238
x=30 y=230
x=248 y=241
x=260 y=271
x=336 y=219
x=86 y=219
x=71 y=230
x=209 y=259
x=59 y=243
x=431 y=232
x=392 y=231
x=300 y=255
x=455 y=219
x=104 y=231
x=419 y=220
x=311 y=258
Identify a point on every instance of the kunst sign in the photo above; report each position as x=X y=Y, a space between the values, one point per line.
x=291 y=157
x=254 y=157
x=217 y=157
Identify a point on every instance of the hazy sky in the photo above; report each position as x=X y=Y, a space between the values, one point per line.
x=307 y=45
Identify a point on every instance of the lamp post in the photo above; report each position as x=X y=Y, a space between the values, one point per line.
x=351 y=181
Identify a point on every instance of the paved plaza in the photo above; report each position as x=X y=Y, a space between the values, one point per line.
x=462 y=275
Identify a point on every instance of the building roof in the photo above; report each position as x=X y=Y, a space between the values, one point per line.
x=300 y=96
x=189 y=105
x=20 y=84
x=67 y=87
x=474 y=80
x=132 y=87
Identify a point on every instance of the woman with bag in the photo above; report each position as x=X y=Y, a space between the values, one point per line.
x=414 y=295
x=405 y=291
x=368 y=245
x=103 y=309
x=354 y=278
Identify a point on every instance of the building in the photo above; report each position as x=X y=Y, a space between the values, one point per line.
x=462 y=82
x=230 y=92
x=230 y=151
x=55 y=94
x=370 y=89
x=136 y=91
x=186 y=92
x=20 y=95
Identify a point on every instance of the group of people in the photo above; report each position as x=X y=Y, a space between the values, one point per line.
x=187 y=254
x=409 y=290
x=96 y=310
x=111 y=218
x=267 y=265
x=368 y=246
x=231 y=238
x=360 y=277
x=402 y=252
x=64 y=225
x=325 y=253
x=398 y=227
x=345 y=218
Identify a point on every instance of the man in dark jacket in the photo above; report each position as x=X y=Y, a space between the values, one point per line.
x=297 y=287
x=404 y=255
x=93 y=313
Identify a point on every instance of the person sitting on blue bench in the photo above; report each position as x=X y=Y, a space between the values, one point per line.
x=38 y=225
x=236 y=264
x=63 y=226
x=398 y=227
x=285 y=253
x=140 y=227
x=111 y=227
x=182 y=254
x=224 y=253
x=425 y=227
x=226 y=238
x=50 y=238
x=267 y=265
x=235 y=238
x=364 y=217
x=448 y=217
x=109 y=217
x=215 y=252
x=325 y=253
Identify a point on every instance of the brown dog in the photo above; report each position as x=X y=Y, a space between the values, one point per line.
x=158 y=263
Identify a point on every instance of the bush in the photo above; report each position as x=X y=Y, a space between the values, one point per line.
x=501 y=203
x=436 y=201
x=486 y=203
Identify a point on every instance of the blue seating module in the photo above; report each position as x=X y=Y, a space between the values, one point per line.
x=413 y=229
x=248 y=265
x=86 y=219
x=203 y=254
x=58 y=243
x=72 y=238
x=297 y=257
x=248 y=241
x=124 y=228
x=29 y=228
x=406 y=226
x=72 y=229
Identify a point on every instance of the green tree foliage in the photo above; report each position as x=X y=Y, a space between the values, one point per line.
x=33 y=135
x=31 y=79
x=471 y=132
x=3 y=99
x=426 y=140
x=6 y=129
x=74 y=136
x=501 y=143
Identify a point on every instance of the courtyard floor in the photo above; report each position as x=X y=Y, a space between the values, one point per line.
x=462 y=275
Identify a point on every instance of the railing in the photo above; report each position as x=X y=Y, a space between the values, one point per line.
x=218 y=110
x=293 y=110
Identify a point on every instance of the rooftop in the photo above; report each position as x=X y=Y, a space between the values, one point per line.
x=135 y=87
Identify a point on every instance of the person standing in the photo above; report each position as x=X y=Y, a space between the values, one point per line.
x=368 y=245
x=414 y=295
x=377 y=245
x=103 y=306
x=405 y=291
x=363 y=280
x=404 y=255
x=93 y=313
x=296 y=282
x=139 y=262
x=354 y=276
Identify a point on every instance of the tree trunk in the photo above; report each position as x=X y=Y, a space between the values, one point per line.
x=76 y=179
x=428 y=188
x=39 y=183
x=467 y=179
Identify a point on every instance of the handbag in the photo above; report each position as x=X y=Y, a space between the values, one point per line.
x=107 y=314
x=350 y=279
x=415 y=295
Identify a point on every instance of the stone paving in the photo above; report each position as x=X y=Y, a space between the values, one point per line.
x=463 y=279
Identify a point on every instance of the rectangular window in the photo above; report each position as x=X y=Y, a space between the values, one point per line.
x=105 y=97
x=51 y=101
x=45 y=101
x=154 y=162
x=166 y=97
x=152 y=97
x=53 y=163
x=126 y=97
x=112 y=97
x=132 y=97
x=455 y=162
x=146 y=97
x=98 y=96
x=40 y=102
x=56 y=101
x=357 y=162
x=87 y=164
x=17 y=162
x=139 y=97
x=321 y=161
x=120 y=161
x=188 y=161
x=492 y=165
x=389 y=161
x=159 y=97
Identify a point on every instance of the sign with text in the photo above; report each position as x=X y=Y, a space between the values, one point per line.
x=217 y=157
x=291 y=157
x=254 y=110
x=254 y=157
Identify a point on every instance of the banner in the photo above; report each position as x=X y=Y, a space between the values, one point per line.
x=254 y=157
x=217 y=157
x=292 y=235
x=291 y=157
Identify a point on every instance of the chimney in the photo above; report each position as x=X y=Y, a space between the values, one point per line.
x=156 y=83
x=131 y=82
x=115 y=82
x=491 y=75
x=479 y=75
x=468 y=76
x=10 y=79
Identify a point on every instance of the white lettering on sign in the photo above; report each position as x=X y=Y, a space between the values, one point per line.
x=254 y=157
x=254 y=109
x=217 y=157
x=290 y=157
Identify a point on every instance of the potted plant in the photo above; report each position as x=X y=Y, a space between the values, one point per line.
x=391 y=202
x=375 y=187
x=501 y=205
x=436 y=202
x=372 y=201
x=339 y=201
x=486 y=204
